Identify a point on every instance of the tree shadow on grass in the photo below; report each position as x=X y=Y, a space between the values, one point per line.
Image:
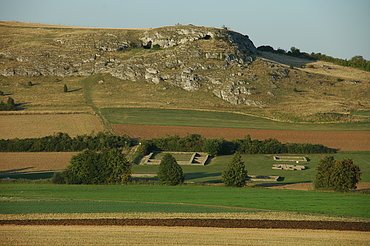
x=21 y=106
x=15 y=170
x=73 y=90
x=18 y=174
x=198 y=175
x=266 y=185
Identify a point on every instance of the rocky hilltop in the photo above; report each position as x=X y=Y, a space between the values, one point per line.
x=186 y=56
x=220 y=62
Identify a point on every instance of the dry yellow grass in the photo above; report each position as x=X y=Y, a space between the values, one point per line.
x=46 y=93
x=42 y=25
x=330 y=69
x=39 y=125
x=319 y=67
x=135 y=235
x=270 y=215
x=34 y=161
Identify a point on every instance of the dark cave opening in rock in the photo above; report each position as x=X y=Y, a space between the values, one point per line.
x=207 y=37
x=148 y=45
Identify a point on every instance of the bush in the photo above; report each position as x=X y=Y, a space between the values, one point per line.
x=58 y=178
x=65 y=88
x=156 y=47
x=90 y=167
x=170 y=172
x=8 y=105
x=235 y=173
x=337 y=175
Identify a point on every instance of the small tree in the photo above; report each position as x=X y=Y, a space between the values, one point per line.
x=235 y=173
x=30 y=83
x=2 y=93
x=65 y=88
x=345 y=175
x=118 y=169
x=170 y=172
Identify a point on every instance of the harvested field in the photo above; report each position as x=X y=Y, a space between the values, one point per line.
x=250 y=215
x=141 y=235
x=21 y=162
x=40 y=125
x=343 y=140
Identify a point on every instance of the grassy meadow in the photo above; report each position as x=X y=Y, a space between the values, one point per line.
x=50 y=198
x=176 y=117
x=261 y=165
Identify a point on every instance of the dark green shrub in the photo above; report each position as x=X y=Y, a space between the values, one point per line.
x=105 y=167
x=337 y=175
x=8 y=105
x=345 y=175
x=65 y=88
x=170 y=172
x=235 y=173
x=156 y=47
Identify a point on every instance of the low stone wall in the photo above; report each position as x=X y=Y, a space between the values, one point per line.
x=288 y=167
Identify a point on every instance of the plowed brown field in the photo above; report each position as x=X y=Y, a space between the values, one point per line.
x=220 y=223
x=343 y=140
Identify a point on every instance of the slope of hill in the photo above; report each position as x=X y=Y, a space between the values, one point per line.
x=171 y=67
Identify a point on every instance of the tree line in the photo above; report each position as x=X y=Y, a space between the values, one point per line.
x=247 y=145
x=356 y=61
x=191 y=143
x=63 y=142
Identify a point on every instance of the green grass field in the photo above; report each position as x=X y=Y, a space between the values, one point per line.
x=178 y=156
x=261 y=165
x=49 y=198
x=174 y=117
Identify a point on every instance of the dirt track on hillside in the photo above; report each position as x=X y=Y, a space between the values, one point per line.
x=220 y=223
x=343 y=140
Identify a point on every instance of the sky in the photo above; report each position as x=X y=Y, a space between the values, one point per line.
x=340 y=28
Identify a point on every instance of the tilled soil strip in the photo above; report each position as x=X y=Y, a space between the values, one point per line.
x=221 y=223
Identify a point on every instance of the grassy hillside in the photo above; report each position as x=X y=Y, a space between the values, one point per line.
x=46 y=198
x=192 y=74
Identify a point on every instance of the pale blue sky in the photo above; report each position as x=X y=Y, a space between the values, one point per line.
x=340 y=28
